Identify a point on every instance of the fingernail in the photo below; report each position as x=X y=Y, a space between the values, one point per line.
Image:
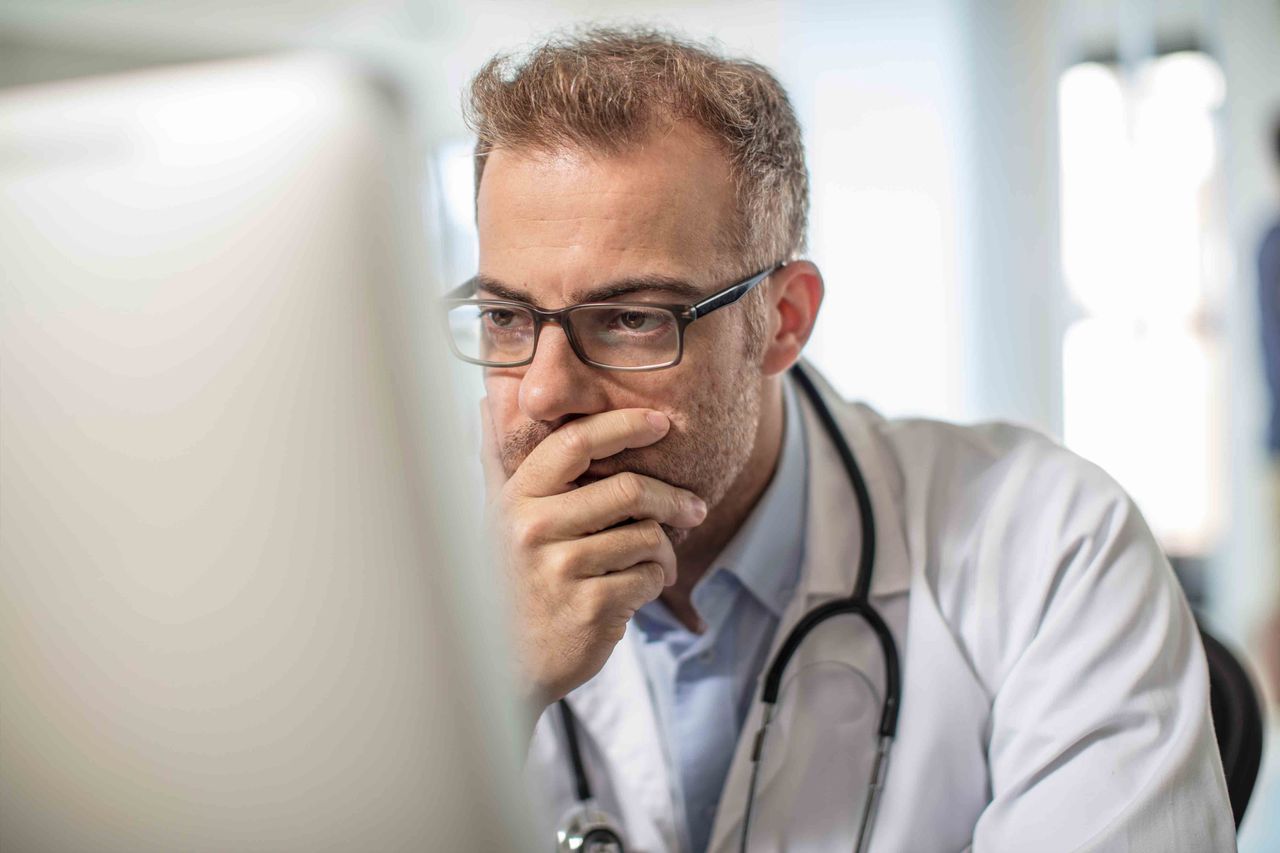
x=698 y=509
x=657 y=420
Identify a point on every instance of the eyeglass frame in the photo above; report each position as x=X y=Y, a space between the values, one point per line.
x=684 y=314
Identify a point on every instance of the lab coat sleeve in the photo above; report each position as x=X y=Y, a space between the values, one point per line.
x=1100 y=730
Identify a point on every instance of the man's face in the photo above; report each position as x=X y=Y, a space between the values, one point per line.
x=555 y=227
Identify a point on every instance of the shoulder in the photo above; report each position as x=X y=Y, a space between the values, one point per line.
x=993 y=472
x=1003 y=504
x=960 y=485
x=1006 y=528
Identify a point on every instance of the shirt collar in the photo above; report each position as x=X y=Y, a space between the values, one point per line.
x=766 y=553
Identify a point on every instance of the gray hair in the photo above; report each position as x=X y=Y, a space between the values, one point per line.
x=606 y=89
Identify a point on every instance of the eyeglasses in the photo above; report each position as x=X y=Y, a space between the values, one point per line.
x=611 y=335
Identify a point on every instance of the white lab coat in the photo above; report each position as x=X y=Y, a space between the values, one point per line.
x=1055 y=693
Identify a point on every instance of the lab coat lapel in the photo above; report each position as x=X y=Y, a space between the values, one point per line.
x=818 y=752
x=625 y=727
x=832 y=539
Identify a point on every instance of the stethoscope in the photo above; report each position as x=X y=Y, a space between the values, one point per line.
x=589 y=829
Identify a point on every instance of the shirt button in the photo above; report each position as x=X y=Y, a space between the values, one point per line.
x=707 y=656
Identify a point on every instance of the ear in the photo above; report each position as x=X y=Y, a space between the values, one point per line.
x=794 y=296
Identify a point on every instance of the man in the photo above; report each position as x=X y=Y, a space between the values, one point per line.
x=669 y=507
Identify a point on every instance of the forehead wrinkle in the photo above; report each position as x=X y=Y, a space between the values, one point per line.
x=601 y=207
x=621 y=234
x=554 y=221
x=621 y=247
x=622 y=287
x=645 y=208
x=630 y=221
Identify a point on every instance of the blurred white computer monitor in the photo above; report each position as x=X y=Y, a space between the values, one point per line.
x=240 y=608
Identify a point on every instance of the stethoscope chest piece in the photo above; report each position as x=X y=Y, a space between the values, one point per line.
x=587 y=829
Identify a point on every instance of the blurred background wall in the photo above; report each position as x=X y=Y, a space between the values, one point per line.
x=1039 y=211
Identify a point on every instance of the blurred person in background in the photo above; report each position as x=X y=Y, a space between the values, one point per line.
x=671 y=498
x=1269 y=313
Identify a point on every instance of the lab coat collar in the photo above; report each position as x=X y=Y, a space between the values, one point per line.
x=833 y=537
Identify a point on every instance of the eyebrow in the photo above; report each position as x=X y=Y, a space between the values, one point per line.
x=611 y=290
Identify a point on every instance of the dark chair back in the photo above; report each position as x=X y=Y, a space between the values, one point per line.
x=1237 y=721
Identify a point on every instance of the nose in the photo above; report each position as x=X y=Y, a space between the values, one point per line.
x=557 y=385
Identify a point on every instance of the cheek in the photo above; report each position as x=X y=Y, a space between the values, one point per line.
x=718 y=341
x=707 y=381
x=662 y=390
x=503 y=392
x=676 y=396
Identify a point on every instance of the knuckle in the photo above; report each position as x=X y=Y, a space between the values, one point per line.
x=595 y=606
x=648 y=584
x=651 y=534
x=560 y=564
x=613 y=631
x=575 y=441
x=657 y=578
x=528 y=530
x=629 y=487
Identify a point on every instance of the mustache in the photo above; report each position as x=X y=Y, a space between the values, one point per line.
x=520 y=442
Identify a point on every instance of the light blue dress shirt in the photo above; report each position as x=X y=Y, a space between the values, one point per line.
x=702 y=685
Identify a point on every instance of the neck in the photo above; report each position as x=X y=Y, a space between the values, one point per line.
x=705 y=542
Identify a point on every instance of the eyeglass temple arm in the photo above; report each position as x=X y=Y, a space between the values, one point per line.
x=730 y=296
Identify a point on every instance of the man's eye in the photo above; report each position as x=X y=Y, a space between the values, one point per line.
x=637 y=321
x=500 y=317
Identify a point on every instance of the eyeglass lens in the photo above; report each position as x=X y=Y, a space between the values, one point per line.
x=614 y=335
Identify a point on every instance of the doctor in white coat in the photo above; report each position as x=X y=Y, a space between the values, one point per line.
x=1055 y=694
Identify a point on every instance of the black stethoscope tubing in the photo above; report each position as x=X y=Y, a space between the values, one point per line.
x=857 y=604
x=581 y=784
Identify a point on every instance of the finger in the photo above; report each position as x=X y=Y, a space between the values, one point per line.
x=633 y=587
x=618 y=549
x=564 y=456
x=495 y=477
x=624 y=496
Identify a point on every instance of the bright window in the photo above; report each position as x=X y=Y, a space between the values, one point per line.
x=1141 y=228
